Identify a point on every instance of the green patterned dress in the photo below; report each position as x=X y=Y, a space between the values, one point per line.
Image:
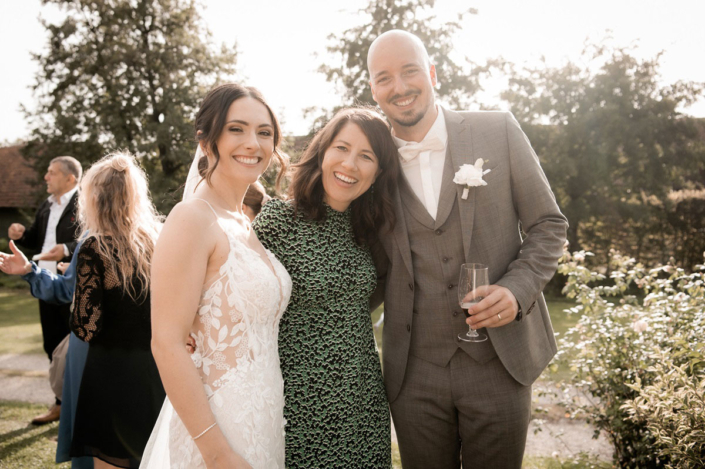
x=336 y=407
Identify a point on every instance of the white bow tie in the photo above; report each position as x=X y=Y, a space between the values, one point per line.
x=411 y=150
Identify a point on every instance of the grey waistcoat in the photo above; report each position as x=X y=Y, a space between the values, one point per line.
x=437 y=254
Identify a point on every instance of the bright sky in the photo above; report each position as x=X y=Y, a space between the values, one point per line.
x=281 y=43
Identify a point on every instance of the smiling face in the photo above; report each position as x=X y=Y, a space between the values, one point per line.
x=246 y=142
x=349 y=167
x=402 y=81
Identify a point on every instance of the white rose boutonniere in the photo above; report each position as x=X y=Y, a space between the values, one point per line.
x=470 y=175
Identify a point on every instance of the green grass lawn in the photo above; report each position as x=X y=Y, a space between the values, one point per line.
x=23 y=445
x=561 y=320
x=20 y=331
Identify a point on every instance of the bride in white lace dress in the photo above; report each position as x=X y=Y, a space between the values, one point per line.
x=212 y=280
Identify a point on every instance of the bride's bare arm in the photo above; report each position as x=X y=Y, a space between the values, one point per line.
x=179 y=268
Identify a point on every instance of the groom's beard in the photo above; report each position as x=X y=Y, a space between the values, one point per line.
x=412 y=120
x=408 y=118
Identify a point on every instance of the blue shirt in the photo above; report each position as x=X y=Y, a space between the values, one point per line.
x=50 y=287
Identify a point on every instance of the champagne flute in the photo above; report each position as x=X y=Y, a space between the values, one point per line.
x=472 y=286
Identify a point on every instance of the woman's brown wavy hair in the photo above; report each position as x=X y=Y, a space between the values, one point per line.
x=374 y=208
x=210 y=122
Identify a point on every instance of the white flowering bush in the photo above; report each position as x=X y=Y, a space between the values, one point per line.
x=637 y=326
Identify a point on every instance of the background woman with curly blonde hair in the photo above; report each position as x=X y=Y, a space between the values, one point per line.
x=121 y=393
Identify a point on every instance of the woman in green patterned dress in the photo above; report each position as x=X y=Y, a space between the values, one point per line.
x=340 y=195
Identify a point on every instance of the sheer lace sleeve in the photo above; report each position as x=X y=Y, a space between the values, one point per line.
x=86 y=317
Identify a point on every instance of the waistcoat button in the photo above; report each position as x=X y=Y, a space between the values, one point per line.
x=450 y=287
x=439 y=231
x=455 y=313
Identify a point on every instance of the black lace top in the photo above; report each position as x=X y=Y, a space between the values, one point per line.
x=102 y=312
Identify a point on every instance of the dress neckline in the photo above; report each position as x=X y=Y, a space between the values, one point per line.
x=267 y=262
x=330 y=211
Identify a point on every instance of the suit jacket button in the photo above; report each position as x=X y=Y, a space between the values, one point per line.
x=455 y=313
x=439 y=231
x=450 y=287
x=411 y=286
x=408 y=328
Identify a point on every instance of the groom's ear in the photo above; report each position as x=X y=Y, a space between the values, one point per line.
x=432 y=73
x=372 y=88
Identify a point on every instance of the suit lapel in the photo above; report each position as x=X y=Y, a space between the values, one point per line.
x=460 y=147
x=401 y=235
x=446 y=200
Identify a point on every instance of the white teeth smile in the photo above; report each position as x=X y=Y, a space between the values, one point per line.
x=406 y=102
x=247 y=159
x=344 y=178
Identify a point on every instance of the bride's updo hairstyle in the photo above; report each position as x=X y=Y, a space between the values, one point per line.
x=210 y=122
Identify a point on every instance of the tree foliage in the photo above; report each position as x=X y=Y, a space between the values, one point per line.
x=627 y=167
x=125 y=74
x=459 y=77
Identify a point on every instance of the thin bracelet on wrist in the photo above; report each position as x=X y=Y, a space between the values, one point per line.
x=204 y=431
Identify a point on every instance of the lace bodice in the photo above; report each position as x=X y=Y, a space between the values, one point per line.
x=237 y=356
x=236 y=332
x=238 y=317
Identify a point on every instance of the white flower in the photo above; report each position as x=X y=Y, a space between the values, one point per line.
x=471 y=176
x=680 y=297
x=579 y=256
x=640 y=326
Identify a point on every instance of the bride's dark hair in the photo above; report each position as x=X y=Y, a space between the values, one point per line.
x=210 y=122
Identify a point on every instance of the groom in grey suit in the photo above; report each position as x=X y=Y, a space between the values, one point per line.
x=450 y=397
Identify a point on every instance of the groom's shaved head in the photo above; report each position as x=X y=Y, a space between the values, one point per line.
x=394 y=39
x=402 y=80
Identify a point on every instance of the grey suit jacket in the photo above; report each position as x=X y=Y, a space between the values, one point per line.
x=517 y=191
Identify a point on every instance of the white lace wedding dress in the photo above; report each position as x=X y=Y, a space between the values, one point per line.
x=237 y=356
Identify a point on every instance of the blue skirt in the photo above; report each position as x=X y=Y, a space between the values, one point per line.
x=75 y=362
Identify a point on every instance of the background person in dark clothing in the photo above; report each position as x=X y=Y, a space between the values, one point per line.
x=53 y=234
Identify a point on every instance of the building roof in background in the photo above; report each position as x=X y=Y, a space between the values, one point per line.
x=17 y=179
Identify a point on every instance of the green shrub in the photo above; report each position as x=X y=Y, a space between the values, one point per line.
x=613 y=351
x=673 y=410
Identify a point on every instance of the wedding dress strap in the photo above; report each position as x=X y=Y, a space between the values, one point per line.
x=209 y=205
